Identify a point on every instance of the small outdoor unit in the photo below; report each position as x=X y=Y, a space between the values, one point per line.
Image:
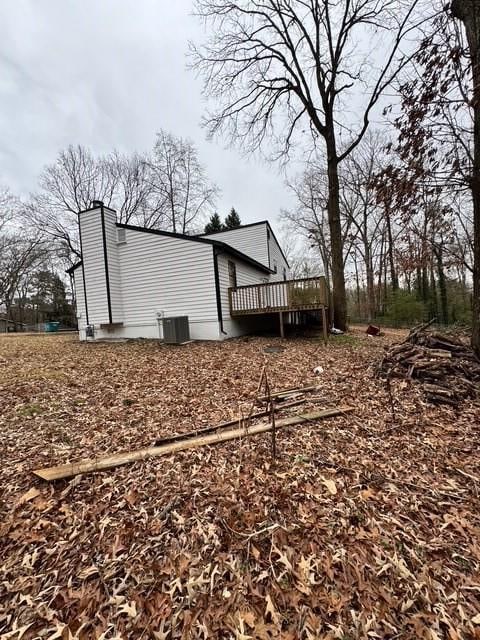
x=176 y=330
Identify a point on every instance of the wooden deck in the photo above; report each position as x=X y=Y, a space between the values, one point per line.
x=272 y=297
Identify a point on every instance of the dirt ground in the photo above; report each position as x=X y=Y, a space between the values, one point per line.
x=365 y=526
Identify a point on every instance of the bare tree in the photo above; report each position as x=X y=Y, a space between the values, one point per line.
x=308 y=220
x=274 y=65
x=462 y=249
x=20 y=251
x=468 y=12
x=303 y=264
x=67 y=187
x=439 y=130
x=134 y=195
x=179 y=181
x=20 y=254
x=7 y=207
x=367 y=219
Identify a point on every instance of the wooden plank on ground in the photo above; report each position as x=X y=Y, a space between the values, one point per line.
x=240 y=422
x=288 y=392
x=99 y=464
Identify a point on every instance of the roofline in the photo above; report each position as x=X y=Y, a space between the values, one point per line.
x=199 y=237
x=251 y=224
x=215 y=243
x=71 y=269
x=242 y=226
x=96 y=208
x=278 y=244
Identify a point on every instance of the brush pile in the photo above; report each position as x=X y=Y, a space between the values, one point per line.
x=447 y=367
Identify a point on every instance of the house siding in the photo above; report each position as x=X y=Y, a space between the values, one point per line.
x=80 y=301
x=153 y=275
x=114 y=271
x=277 y=260
x=246 y=275
x=171 y=276
x=149 y=275
x=252 y=241
x=94 y=265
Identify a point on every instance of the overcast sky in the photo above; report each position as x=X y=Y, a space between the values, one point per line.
x=109 y=74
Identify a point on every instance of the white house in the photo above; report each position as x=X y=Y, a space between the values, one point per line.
x=130 y=278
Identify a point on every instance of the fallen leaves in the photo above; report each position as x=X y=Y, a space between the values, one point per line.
x=27 y=496
x=331 y=486
x=364 y=527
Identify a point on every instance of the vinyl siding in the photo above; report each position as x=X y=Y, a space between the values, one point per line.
x=169 y=275
x=153 y=275
x=114 y=273
x=80 y=298
x=93 y=264
x=276 y=258
x=252 y=241
x=246 y=275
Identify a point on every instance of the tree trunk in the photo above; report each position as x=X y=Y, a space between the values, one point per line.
x=370 y=292
x=425 y=287
x=385 y=281
x=335 y=225
x=357 y=285
x=391 y=258
x=462 y=277
x=408 y=281
x=418 y=283
x=442 y=284
x=433 y=305
x=367 y=253
x=468 y=11
x=326 y=268
x=380 y=302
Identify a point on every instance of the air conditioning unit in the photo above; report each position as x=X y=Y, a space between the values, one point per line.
x=176 y=330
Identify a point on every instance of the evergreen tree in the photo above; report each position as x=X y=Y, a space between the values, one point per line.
x=232 y=221
x=49 y=298
x=214 y=224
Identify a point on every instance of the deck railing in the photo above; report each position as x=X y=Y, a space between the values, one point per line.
x=268 y=297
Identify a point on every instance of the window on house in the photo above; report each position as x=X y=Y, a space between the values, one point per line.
x=121 y=235
x=275 y=267
x=284 y=273
x=232 y=274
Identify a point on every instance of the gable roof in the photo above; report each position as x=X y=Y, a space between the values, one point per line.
x=226 y=248
x=245 y=226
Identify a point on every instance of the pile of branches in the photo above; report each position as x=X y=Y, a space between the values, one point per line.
x=447 y=368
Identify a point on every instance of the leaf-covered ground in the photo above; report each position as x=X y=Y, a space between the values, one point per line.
x=366 y=525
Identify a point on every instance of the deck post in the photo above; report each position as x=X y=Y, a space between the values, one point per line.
x=324 y=325
x=282 y=329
